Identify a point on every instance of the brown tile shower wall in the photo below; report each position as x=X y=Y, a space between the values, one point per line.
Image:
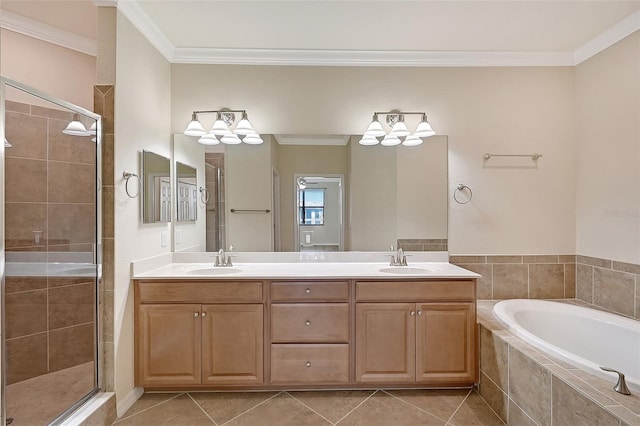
x=50 y=192
x=606 y=283
x=103 y=104
x=522 y=277
x=49 y=207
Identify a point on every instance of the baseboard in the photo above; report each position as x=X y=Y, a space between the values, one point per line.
x=129 y=400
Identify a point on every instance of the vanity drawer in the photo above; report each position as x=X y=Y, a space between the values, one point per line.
x=309 y=290
x=415 y=290
x=199 y=292
x=310 y=322
x=317 y=364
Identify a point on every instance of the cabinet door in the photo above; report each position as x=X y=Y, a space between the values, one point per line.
x=445 y=343
x=385 y=342
x=168 y=344
x=232 y=344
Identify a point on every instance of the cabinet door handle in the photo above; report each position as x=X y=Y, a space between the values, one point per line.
x=308 y=291
x=307 y=323
x=412 y=313
x=308 y=364
x=204 y=314
x=419 y=312
x=195 y=314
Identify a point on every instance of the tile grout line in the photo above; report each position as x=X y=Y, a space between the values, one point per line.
x=524 y=412
x=448 y=421
x=414 y=406
x=306 y=406
x=147 y=409
x=356 y=407
x=253 y=408
x=201 y=409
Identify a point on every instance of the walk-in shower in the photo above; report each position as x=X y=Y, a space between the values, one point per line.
x=50 y=256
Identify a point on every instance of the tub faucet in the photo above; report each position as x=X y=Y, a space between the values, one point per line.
x=223 y=259
x=621 y=386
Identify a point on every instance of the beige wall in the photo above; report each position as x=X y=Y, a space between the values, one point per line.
x=608 y=158
x=142 y=121
x=55 y=70
x=517 y=208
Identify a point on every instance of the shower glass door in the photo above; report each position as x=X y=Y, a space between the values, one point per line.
x=51 y=235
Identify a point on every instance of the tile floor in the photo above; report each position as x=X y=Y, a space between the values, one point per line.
x=459 y=407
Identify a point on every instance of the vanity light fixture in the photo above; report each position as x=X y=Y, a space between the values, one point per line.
x=221 y=131
x=398 y=132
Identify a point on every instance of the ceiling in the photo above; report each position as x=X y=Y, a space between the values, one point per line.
x=353 y=32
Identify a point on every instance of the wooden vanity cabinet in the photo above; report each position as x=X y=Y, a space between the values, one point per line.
x=310 y=324
x=427 y=338
x=180 y=343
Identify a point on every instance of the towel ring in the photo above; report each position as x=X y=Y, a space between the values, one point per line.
x=127 y=176
x=460 y=187
x=204 y=195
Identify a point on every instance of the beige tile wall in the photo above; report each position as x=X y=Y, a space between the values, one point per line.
x=103 y=104
x=423 y=244
x=522 y=277
x=525 y=387
x=608 y=284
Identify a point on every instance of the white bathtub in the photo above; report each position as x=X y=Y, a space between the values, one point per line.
x=584 y=337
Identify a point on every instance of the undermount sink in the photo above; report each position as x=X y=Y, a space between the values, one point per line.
x=214 y=271
x=404 y=270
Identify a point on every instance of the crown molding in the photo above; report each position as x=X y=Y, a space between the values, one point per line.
x=144 y=24
x=369 y=58
x=622 y=29
x=29 y=27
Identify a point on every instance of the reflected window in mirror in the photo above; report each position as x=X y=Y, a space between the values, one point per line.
x=156 y=200
x=311 y=206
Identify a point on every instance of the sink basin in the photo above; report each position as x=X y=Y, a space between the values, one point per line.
x=408 y=270
x=213 y=271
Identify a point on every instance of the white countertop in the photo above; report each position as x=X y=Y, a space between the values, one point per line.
x=286 y=270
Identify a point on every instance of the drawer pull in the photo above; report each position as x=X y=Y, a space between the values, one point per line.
x=204 y=314
x=308 y=364
x=412 y=313
x=195 y=314
x=308 y=291
x=307 y=323
x=419 y=312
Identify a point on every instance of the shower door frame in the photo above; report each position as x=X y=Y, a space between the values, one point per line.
x=4 y=81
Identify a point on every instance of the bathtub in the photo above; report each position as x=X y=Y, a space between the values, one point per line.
x=583 y=337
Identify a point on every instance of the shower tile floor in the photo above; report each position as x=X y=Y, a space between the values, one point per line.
x=39 y=400
x=459 y=407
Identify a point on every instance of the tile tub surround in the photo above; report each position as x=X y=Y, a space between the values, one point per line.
x=522 y=276
x=422 y=244
x=608 y=284
x=526 y=386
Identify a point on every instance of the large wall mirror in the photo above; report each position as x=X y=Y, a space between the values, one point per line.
x=156 y=188
x=187 y=193
x=383 y=195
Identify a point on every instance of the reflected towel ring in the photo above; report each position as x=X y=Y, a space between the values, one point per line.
x=204 y=195
x=127 y=176
x=461 y=187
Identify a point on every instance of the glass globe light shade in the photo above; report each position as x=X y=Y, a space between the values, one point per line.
x=400 y=129
x=424 y=129
x=194 y=128
x=375 y=129
x=411 y=140
x=231 y=139
x=390 y=140
x=75 y=128
x=253 y=139
x=208 y=139
x=369 y=140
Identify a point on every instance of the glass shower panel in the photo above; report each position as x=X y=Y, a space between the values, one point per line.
x=52 y=271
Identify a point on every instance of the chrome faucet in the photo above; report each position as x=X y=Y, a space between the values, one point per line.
x=398 y=259
x=223 y=259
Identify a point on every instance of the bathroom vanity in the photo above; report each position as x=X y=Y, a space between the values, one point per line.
x=305 y=326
